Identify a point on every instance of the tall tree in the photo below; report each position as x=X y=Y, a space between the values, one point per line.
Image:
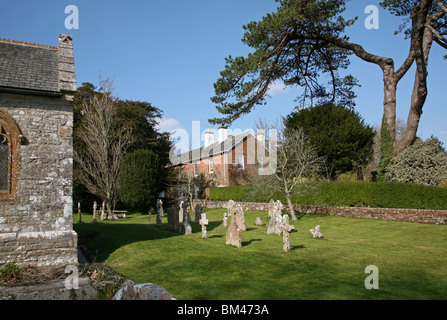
x=104 y=144
x=306 y=39
x=338 y=133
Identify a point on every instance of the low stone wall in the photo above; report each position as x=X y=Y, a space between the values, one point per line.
x=408 y=215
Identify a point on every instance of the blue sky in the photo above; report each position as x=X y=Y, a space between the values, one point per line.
x=170 y=53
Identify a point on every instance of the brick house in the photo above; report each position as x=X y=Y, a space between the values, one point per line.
x=37 y=86
x=224 y=162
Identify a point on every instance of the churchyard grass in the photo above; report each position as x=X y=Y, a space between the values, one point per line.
x=411 y=258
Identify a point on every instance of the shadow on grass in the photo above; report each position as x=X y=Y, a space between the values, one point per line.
x=246 y=243
x=104 y=238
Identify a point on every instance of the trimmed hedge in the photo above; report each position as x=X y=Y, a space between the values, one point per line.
x=348 y=194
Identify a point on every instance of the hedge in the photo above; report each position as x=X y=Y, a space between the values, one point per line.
x=348 y=194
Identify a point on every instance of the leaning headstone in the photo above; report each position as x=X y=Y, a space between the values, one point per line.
x=158 y=222
x=286 y=228
x=259 y=221
x=234 y=234
x=316 y=232
x=240 y=217
x=204 y=222
x=274 y=226
x=198 y=211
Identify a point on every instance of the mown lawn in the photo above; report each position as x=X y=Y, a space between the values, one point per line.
x=411 y=258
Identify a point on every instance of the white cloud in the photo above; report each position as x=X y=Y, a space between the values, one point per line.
x=167 y=125
x=277 y=88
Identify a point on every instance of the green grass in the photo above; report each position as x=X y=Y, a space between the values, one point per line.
x=411 y=258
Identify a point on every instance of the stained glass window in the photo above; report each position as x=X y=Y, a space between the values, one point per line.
x=4 y=160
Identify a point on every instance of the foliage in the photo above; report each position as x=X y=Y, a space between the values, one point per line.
x=348 y=194
x=422 y=163
x=338 y=133
x=141 y=179
x=347 y=177
x=443 y=184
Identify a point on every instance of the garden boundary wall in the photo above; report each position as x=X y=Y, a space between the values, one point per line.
x=406 y=215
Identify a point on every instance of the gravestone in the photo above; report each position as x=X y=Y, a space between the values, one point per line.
x=79 y=212
x=240 y=217
x=274 y=226
x=174 y=223
x=259 y=221
x=198 y=211
x=173 y=214
x=180 y=213
x=94 y=212
x=225 y=220
x=204 y=222
x=285 y=229
x=160 y=207
x=316 y=232
x=185 y=226
x=271 y=207
x=103 y=212
x=234 y=233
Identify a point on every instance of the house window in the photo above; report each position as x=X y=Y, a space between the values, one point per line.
x=10 y=137
x=240 y=161
x=211 y=165
x=196 y=172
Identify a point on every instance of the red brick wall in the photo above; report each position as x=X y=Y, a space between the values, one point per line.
x=407 y=215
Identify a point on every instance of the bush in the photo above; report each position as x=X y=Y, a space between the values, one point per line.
x=425 y=162
x=349 y=194
x=443 y=184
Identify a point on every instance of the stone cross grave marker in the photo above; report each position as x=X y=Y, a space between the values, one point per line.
x=316 y=232
x=204 y=222
x=286 y=228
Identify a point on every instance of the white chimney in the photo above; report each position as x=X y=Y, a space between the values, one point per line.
x=209 y=137
x=222 y=133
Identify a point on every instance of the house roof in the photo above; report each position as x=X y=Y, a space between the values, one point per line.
x=213 y=149
x=29 y=67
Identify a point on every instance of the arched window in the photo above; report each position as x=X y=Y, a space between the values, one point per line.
x=10 y=138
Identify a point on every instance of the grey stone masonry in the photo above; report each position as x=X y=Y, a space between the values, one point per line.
x=36 y=227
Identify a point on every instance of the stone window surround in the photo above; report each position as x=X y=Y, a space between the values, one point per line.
x=14 y=138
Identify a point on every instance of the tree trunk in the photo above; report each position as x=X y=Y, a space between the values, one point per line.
x=419 y=94
x=289 y=202
x=389 y=101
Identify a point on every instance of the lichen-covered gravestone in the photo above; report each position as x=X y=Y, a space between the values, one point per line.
x=240 y=217
x=271 y=207
x=204 y=222
x=259 y=221
x=274 y=226
x=225 y=220
x=234 y=233
x=94 y=212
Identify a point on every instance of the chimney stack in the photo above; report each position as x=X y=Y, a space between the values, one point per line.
x=209 y=137
x=222 y=133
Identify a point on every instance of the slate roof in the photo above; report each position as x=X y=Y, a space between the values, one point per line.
x=35 y=68
x=27 y=67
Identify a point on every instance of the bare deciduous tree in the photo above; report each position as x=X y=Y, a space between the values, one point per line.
x=104 y=146
x=296 y=160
